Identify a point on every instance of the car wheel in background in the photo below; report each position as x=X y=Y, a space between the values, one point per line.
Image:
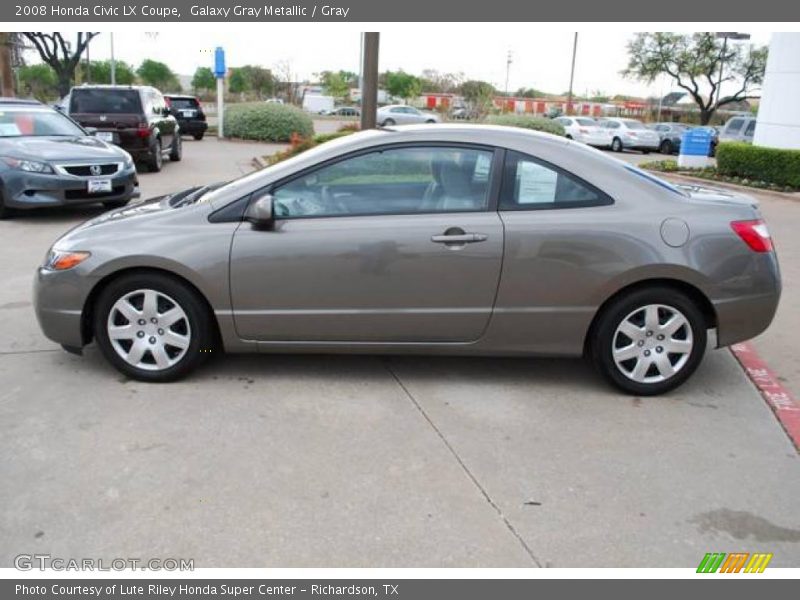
x=176 y=152
x=152 y=327
x=388 y=123
x=156 y=159
x=198 y=136
x=430 y=121
x=645 y=151
x=666 y=147
x=616 y=145
x=649 y=341
x=111 y=204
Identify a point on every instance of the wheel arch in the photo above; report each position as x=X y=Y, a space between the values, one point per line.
x=692 y=291
x=87 y=314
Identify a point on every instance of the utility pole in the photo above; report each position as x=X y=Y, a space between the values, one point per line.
x=113 y=62
x=726 y=35
x=369 y=79
x=572 y=73
x=508 y=71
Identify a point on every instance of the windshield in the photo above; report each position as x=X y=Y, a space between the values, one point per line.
x=105 y=101
x=634 y=125
x=33 y=121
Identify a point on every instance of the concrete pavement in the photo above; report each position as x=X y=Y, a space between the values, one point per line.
x=376 y=461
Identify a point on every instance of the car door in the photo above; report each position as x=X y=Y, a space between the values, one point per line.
x=166 y=123
x=401 y=244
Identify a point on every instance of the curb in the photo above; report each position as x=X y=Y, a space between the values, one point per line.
x=780 y=400
x=725 y=185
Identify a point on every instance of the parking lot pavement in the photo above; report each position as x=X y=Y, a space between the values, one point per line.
x=375 y=461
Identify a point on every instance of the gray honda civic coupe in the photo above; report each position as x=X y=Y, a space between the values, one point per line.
x=47 y=159
x=437 y=239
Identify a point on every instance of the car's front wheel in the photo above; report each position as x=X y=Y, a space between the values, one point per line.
x=156 y=159
x=649 y=341
x=616 y=145
x=152 y=327
x=666 y=147
x=387 y=123
x=176 y=151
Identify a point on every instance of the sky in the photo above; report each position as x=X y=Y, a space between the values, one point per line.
x=540 y=56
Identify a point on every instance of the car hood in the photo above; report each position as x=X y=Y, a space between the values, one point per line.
x=72 y=148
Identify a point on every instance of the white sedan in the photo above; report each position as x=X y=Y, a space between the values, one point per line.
x=585 y=130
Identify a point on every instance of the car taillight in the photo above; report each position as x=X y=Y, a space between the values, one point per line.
x=754 y=233
x=583 y=130
x=143 y=130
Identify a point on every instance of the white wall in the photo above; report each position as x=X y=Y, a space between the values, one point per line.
x=778 y=123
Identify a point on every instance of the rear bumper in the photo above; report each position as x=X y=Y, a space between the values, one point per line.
x=192 y=127
x=32 y=190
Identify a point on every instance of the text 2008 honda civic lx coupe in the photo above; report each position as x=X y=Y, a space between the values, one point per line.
x=451 y=239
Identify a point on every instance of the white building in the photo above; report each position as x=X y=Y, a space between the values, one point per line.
x=778 y=123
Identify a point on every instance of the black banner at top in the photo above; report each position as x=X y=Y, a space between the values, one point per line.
x=263 y=11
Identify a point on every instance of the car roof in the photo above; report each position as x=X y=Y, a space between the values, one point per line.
x=187 y=96
x=21 y=101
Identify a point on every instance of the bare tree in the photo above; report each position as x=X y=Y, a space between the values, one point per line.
x=60 y=54
x=284 y=77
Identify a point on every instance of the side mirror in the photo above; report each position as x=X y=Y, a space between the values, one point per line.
x=260 y=211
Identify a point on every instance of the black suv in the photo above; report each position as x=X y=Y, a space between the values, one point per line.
x=190 y=115
x=136 y=118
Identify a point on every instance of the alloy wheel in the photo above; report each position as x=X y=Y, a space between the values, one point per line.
x=149 y=330
x=652 y=343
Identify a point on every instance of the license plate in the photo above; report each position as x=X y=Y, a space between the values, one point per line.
x=188 y=114
x=98 y=186
x=106 y=136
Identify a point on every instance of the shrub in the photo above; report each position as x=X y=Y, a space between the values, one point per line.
x=527 y=122
x=305 y=144
x=267 y=122
x=770 y=165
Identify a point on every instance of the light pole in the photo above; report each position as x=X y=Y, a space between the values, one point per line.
x=113 y=62
x=508 y=70
x=369 y=79
x=725 y=36
x=572 y=73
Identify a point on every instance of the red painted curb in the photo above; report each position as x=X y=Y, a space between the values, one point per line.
x=780 y=400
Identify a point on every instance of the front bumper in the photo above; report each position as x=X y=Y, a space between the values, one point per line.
x=33 y=190
x=58 y=299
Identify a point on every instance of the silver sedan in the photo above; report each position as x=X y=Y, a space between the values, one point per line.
x=447 y=239
x=400 y=114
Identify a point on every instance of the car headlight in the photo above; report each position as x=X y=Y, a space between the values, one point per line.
x=61 y=260
x=128 y=162
x=31 y=166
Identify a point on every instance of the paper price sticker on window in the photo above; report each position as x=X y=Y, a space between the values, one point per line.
x=535 y=184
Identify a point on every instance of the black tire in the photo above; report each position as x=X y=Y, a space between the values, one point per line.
x=666 y=147
x=112 y=204
x=156 y=159
x=602 y=338
x=429 y=121
x=645 y=151
x=198 y=136
x=5 y=212
x=200 y=322
x=388 y=123
x=568 y=136
x=176 y=151
x=616 y=145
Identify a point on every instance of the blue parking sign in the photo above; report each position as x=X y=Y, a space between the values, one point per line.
x=696 y=142
x=219 y=62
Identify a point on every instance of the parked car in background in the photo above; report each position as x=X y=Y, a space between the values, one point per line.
x=400 y=114
x=346 y=111
x=190 y=115
x=46 y=159
x=714 y=131
x=136 y=118
x=585 y=130
x=485 y=241
x=274 y=101
x=670 y=135
x=738 y=129
x=630 y=134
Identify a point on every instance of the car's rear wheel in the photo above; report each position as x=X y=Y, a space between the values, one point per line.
x=156 y=159
x=152 y=327
x=387 y=123
x=616 y=145
x=666 y=147
x=649 y=341
x=198 y=136
x=176 y=151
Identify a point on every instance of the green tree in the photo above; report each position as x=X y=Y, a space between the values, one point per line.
x=237 y=81
x=335 y=84
x=478 y=94
x=259 y=80
x=101 y=72
x=203 y=79
x=39 y=81
x=403 y=85
x=530 y=93
x=157 y=74
x=693 y=62
x=62 y=56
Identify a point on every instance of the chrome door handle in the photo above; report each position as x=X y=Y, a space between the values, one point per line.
x=464 y=238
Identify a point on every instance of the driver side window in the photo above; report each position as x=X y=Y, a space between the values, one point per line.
x=395 y=181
